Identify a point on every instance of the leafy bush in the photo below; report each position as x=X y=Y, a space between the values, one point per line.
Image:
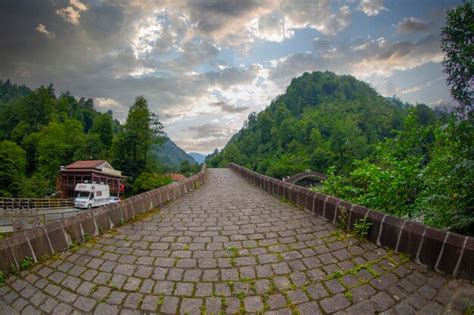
x=26 y=263
x=147 y=181
x=425 y=173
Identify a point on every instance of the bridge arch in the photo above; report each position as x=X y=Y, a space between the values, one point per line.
x=300 y=176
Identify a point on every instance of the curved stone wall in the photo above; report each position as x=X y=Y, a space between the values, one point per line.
x=445 y=252
x=57 y=236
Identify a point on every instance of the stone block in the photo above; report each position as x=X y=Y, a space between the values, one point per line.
x=329 y=209
x=7 y=257
x=19 y=247
x=433 y=240
x=375 y=218
x=465 y=269
x=391 y=230
x=86 y=220
x=56 y=236
x=301 y=196
x=310 y=195
x=127 y=210
x=72 y=227
x=410 y=239
x=39 y=241
x=319 y=204
x=280 y=189
x=115 y=213
x=451 y=252
x=293 y=193
x=101 y=216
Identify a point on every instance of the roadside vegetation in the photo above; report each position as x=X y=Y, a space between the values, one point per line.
x=40 y=132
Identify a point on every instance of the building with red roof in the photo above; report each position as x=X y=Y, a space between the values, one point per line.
x=89 y=171
x=176 y=177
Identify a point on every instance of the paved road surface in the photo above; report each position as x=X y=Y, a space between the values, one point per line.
x=229 y=247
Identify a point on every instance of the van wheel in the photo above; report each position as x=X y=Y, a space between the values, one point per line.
x=89 y=206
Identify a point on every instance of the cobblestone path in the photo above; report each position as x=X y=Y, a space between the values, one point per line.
x=229 y=247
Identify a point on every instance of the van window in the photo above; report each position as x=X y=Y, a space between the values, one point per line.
x=92 y=196
x=82 y=194
x=99 y=193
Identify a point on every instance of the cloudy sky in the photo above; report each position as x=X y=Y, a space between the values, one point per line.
x=204 y=65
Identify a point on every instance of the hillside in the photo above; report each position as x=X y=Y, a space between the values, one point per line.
x=322 y=120
x=198 y=157
x=170 y=155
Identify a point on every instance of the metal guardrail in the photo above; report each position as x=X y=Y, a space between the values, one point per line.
x=35 y=203
x=20 y=220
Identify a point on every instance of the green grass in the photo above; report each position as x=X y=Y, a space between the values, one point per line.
x=2 y=279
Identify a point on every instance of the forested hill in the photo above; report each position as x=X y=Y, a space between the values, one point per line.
x=171 y=155
x=322 y=120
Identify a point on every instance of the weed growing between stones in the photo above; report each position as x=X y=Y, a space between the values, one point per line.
x=287 y=201
x=234 y=253
x=14 y=269
x=348 y=295
x=144 y=215
x=2 y=279
x=343 y=219
x=470 y=308
x=224 y=302
x=75 y=246
x=27 y=262
x=335 y=275
x=361 y=228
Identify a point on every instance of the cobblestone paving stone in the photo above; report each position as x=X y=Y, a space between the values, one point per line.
x=229 y=247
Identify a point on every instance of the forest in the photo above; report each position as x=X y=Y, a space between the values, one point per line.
x=40 y=132
x=411 y=161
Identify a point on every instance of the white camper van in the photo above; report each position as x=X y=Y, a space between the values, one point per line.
x=87 y=195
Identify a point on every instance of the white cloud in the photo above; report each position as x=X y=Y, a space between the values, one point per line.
x=147 y=31
x=317 y=15
x=72 y=13
x=417 y=88
x=42 y=29
x=371 y=7
x=104 y=104
x=411 y=25
x=78 y=5
x=271 y=27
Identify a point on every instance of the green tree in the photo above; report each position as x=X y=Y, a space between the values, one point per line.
x=56 y=145
x=103 y=127
x=12 y=169
x=138 y=133
x=141 y=129
x=92 y=148
x=458 y=44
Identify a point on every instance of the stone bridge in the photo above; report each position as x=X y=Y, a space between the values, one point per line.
x=296 y=178
x=229 y=247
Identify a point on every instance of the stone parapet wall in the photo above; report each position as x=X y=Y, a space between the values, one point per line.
x=443 y=251
x=54 y=237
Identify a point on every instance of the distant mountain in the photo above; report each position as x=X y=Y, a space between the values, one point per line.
x=171 y=155
x=198 y=157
